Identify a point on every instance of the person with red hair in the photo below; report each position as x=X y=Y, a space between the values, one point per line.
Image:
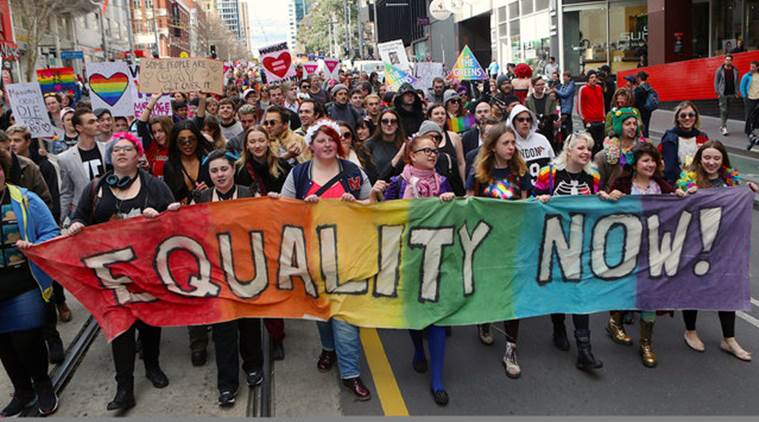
x=328 y=176
x=521 y=83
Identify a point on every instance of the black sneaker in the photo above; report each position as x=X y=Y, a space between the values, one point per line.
x=157 y=377
x=254 y=377
x=227 y=398
x=18 y=403
x=47 y=400
x=199 y=358
x=277 y=350
x=55 y=353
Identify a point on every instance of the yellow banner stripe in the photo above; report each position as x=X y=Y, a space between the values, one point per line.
x=388 y=391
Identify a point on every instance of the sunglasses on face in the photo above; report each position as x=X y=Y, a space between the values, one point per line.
x=427 y=151
x=304 y=87
x=346 y=135
x=524 y=119
x=690 y=115
x=437 y=137
x=269 y=122
x=186 y=141
x=389 y=121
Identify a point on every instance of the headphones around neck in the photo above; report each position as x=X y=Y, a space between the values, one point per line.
x=120 y=183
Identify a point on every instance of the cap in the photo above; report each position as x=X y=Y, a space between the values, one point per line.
x=449 y=95
x=428 y=126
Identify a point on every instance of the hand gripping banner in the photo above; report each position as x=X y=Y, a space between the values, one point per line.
x=409 y=264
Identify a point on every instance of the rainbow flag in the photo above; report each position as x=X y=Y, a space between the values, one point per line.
x=410 y=263
x=59 y=79
x=395 y=77
x=463 y=123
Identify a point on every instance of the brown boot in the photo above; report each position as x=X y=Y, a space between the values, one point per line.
x=616 y=329
x=647 y=355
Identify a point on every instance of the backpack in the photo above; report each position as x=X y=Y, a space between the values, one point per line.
x=652 y=100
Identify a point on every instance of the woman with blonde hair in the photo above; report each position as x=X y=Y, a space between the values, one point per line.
x=258 y=168
x=500 y=172
x=679 y=144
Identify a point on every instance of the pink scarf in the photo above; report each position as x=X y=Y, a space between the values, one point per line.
x=420 y=183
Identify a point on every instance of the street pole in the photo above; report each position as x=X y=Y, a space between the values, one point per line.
x=376 y=29
x=102 y=34
x=57 y=40
x=130 y=34
x=360 y=26
x=155 y=32
x=348 y=27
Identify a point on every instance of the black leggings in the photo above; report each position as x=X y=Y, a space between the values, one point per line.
x=726 y=320
x=24 y=357
x=124 y=348
x=511 y=328
x=581 y=322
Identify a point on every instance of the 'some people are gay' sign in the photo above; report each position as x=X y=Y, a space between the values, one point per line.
x=181 y=75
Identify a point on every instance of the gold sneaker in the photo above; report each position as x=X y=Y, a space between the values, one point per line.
x=616 y=330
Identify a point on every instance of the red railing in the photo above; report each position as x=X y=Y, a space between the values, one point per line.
x=690 y=79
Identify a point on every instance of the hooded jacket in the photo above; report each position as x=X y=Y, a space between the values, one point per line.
x=670 y=146
x=410 y=120
x=535 y=148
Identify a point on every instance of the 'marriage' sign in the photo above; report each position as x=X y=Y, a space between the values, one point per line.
x=408 y=264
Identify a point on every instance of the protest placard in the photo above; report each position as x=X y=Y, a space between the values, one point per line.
x=29 y=108
x=181 y=75
x=61 y=80
x=467 y=68
x=393 y=53
x=331 y=68
x=162 y=107
x=395 y=77
x=277 y=62
x=110 y=87
x=311 y=67
x=425 y=72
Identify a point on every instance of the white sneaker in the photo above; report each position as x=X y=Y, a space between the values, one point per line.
x=510 y=362
x=724 y=130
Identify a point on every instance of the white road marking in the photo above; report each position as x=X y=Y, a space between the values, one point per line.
x=755 y=302
x=748 y=318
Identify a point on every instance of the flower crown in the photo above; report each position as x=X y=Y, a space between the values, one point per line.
x=318 y=125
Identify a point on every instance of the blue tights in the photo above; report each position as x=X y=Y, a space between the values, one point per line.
x=436 y=340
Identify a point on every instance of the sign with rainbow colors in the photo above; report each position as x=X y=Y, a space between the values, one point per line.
x=59 y=79
x=467 y=68
x=395 y=77
x=110 y=87
x=410 y=263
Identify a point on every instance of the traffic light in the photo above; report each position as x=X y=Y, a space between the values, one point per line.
x=213 y=51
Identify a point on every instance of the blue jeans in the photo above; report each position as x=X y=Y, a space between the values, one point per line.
x=342 y=338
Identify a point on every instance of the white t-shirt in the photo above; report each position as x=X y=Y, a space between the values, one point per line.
x=537 y=152
x=686 y=150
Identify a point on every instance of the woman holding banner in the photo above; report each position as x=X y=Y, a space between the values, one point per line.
x=386 y=144
x=450 y=144
x=330 y=177
x=711 y=169
x=500 y=172
x=571 y=173
x=122 y=193
x=24 y=221
x=420 y=180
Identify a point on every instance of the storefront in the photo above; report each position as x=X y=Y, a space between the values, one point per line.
x=525 y=31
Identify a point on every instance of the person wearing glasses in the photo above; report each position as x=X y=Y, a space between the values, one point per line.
x=450 y=144
x=386 y=145
x=356 y=152
x=452 y=103
x=184 y=171
x=122 y=193
x=679 y=144
x=327 y=176
x=535 y=148
x=420 y=180
x=284 y=142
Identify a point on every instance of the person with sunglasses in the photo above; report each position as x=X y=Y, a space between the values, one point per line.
x=127 y=192
x=284 y=142
x=535 y=148
x=452 y=104
x=679 y=144
x=385 y=146
x=450 y=144
x=409 y=106
x=500 y=172
x=327 y=176
x=356 y=151
x=420 y=180
x=184 y=171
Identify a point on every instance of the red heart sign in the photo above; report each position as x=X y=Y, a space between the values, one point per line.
x=278 y=65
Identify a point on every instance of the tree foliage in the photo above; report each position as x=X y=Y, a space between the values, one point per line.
x=34 y=16
x=313 y=31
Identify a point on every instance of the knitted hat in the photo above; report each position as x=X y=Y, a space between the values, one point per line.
x=428 y=126
x=501 y=79
x=449 y=95
x=619 y=117
x=337 y=88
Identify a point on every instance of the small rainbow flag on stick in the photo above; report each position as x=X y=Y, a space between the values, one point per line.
x=58 y=79
x=462 y=124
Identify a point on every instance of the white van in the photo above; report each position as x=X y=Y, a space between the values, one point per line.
x=369 y=66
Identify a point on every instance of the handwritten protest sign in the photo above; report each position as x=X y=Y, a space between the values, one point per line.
x=162 y=107
x=393 y=53
x=425 y=73
x=410 y=263
x=467 y=68
x=29 y=109
x=181 y=75
x=109 y=85
x=277 y=62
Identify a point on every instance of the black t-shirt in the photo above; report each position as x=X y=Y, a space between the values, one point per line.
x=729 y=81
x=540 y=105
x=15 y=275
x=93 y=162
x=565 y=183
x=111 y=208
x=505 y=185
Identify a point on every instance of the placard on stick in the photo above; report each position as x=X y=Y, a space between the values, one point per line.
x=110 y=87
x=277 y=62
x=29 y=109
x=181 y=75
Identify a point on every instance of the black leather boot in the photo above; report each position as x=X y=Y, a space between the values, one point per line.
x=585 y=358
x=124 y=396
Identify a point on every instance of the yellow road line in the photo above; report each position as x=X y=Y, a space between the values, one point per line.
x=388 y=391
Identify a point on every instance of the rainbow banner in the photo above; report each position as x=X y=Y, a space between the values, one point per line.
x=395 y=77
x=467 y=68
x=59 y=79
x=409 y=264
x=463 y=123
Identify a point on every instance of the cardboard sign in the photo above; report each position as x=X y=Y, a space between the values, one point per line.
x=277 y=62
x=426 y=72
x=467 y=68
x=394 y=53
x=29 y=109
x=140 y=103
x=310 y=67
x=181 y=75
x=331 y=68
x=110 y=87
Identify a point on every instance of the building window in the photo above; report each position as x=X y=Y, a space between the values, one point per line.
x=501 y=13
x=514 y=10
x=148 y=4
x=526 y=7
x=136 y=4
x=542 y=4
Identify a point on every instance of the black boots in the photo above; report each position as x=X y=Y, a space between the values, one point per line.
x=47 y=400
x=585 y=358
x=560 y=339
x=124 y=396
